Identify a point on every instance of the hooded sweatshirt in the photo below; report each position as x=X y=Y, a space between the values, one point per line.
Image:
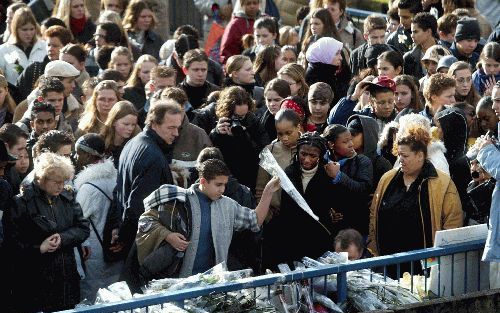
x=454 y=127
x=370 y=139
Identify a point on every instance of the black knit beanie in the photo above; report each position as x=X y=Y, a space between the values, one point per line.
x=467 y=28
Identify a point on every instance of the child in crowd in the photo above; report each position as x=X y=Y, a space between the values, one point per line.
x=488 y=69
x=352 y=176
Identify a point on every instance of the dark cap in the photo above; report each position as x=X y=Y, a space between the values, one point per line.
x=446 y=62
x=467 y=28
x=92 y=144
x=5 y=156
x=373 y=51
x=381 y=82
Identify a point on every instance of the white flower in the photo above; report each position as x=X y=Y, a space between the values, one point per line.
x=402 y=38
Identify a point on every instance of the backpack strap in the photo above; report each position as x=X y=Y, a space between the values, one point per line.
x=90 y=219
x=96 y=187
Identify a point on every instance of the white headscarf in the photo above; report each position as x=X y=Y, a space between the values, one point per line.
x=323 y=50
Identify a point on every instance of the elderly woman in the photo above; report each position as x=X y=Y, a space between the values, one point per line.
x=42 y=229
x=413 y=201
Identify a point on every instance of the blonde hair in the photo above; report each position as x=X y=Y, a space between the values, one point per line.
x=9 y=102
x=132 y=13
x=62 y=10
x=297 y=73
x=118 y=111
x=121 y=51
x=89 y=118
x=286 y=34
x=23 y=16
x=49 y=163
x=134 y=80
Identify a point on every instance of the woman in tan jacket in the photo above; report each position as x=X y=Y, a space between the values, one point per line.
x=412 y=202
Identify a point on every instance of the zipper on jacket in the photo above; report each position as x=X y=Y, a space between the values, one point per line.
x=420 y=208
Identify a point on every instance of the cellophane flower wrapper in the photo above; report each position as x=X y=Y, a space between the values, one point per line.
x=270 y=165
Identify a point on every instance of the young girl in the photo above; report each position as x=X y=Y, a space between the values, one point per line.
x=267 y=64
x=134 y=89
x=486 y=117
x=407 y=95
x=121 y=61
x=353 y=176
x=76 y=17
x=321 y=25
x=113 y=5
x=320 y=98
x=276 y=90
x=390 y=63
x=239 y=71
x=294 y=74
x=289 y=54
x=139 y=21
x=465 y=92
x=488 y=69
x=97 y=109
x=23 y=47
x=288 y=127
x=119 y=128
x=7 y=104
x=430 y=62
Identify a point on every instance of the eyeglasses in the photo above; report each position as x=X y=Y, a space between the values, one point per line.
x=464 y=80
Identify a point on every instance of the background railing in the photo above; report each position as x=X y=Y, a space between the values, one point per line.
x=311 y=274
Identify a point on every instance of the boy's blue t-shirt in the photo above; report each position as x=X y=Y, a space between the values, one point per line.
x=205 y=254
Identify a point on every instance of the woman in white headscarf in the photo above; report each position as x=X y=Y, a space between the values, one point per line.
x=328 y=63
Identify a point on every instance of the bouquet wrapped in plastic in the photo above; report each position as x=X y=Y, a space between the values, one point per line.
x=269 y=163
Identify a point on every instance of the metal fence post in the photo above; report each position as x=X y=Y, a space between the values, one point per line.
x=341 y=287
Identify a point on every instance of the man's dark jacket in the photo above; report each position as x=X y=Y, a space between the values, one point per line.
x=143 y=167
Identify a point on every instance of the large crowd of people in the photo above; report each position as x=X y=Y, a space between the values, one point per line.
x=126 y=155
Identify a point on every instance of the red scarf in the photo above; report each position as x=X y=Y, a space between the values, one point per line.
x=77 y=25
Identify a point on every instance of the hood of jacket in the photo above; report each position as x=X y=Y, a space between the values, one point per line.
x=370 y=134
x=454 y=127
x=97 y=171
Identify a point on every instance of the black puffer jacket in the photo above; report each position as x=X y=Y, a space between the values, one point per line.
x=50 y=281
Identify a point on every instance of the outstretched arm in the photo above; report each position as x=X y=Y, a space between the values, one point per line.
x=262 y=208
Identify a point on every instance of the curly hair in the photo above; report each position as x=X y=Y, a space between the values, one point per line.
x=437 y=84
x=48 y=163
x=231 y=97
x=415 y=137
x=52 y=141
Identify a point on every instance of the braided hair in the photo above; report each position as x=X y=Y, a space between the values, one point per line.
x=312 y=139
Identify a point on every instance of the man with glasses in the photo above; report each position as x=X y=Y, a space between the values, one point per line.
x=489 y=158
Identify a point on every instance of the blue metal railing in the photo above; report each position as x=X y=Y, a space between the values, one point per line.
x=360 y=14
x=307 y=274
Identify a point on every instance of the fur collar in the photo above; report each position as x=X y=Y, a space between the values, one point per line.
x=98 y=171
